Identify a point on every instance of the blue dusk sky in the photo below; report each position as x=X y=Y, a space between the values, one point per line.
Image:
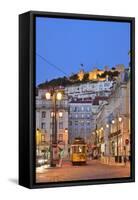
x=62 y=45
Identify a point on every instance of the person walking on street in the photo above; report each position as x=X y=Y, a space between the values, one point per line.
x=61 y=155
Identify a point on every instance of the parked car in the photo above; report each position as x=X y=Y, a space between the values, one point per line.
x=40 y=160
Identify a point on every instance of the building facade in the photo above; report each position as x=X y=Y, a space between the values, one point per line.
x=113 y=122
x=89 y=89
x=44 y=119
x=90 y=110
x=80 y=120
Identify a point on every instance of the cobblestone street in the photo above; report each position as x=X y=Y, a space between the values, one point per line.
x=93 y=170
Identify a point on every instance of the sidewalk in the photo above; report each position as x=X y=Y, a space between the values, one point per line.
x=111 y=161
x=94 y=169
x=68 y=165
x=41 y=169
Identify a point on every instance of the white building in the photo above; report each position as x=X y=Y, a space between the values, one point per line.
x=113 y=122
x=44 y=119
x=89 y=89
x=80 y=119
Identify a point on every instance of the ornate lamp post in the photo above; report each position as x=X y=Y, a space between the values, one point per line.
x=38 y=139
x=107 y=125
x=118 y=120
x=54 y=96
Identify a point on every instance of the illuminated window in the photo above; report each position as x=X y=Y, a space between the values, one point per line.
x=61 y=137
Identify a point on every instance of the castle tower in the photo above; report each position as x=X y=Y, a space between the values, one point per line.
x=93 y=74
x=81 y=74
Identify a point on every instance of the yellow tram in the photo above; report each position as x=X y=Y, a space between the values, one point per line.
x=78 y=152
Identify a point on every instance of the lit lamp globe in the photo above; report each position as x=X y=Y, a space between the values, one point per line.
x=60 y=114
x=59 y=96
x=113 y=121
x=66 y=130
x=107 y=125
x=120 y=119
x=52 y=114
x=48 y=95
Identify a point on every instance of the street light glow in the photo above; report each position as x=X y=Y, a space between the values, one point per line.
x=52 y=114
x=59 y=96
x=101 y=128
x=66 y=130
x=120 y=119
x=60 y=114
x=113 y=121
x=107 y=125
x=48 y=95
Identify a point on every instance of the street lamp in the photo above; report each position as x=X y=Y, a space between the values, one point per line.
x=48 y=95
x=54 y=96
x=52 y=114
x=38 y=139
x=107 y=125
x=59 y=96
x=113 y=121
x=66 y=130
x=118 y=120
x=60 y=114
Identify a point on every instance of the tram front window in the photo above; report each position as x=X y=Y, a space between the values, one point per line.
x=79 y=149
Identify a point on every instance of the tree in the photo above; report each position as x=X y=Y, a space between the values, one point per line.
x=74 y=77
x=86 y=77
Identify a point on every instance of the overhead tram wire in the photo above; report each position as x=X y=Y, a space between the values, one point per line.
x=53 y=65
x=58 y=68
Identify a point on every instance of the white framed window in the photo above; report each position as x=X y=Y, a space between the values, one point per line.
x=88 y=108
x=43 y=114
x=82 y=108
x=43 y=125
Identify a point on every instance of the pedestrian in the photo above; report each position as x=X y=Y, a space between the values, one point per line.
x=61 y=155
x=68 y=153
x=91 y=154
